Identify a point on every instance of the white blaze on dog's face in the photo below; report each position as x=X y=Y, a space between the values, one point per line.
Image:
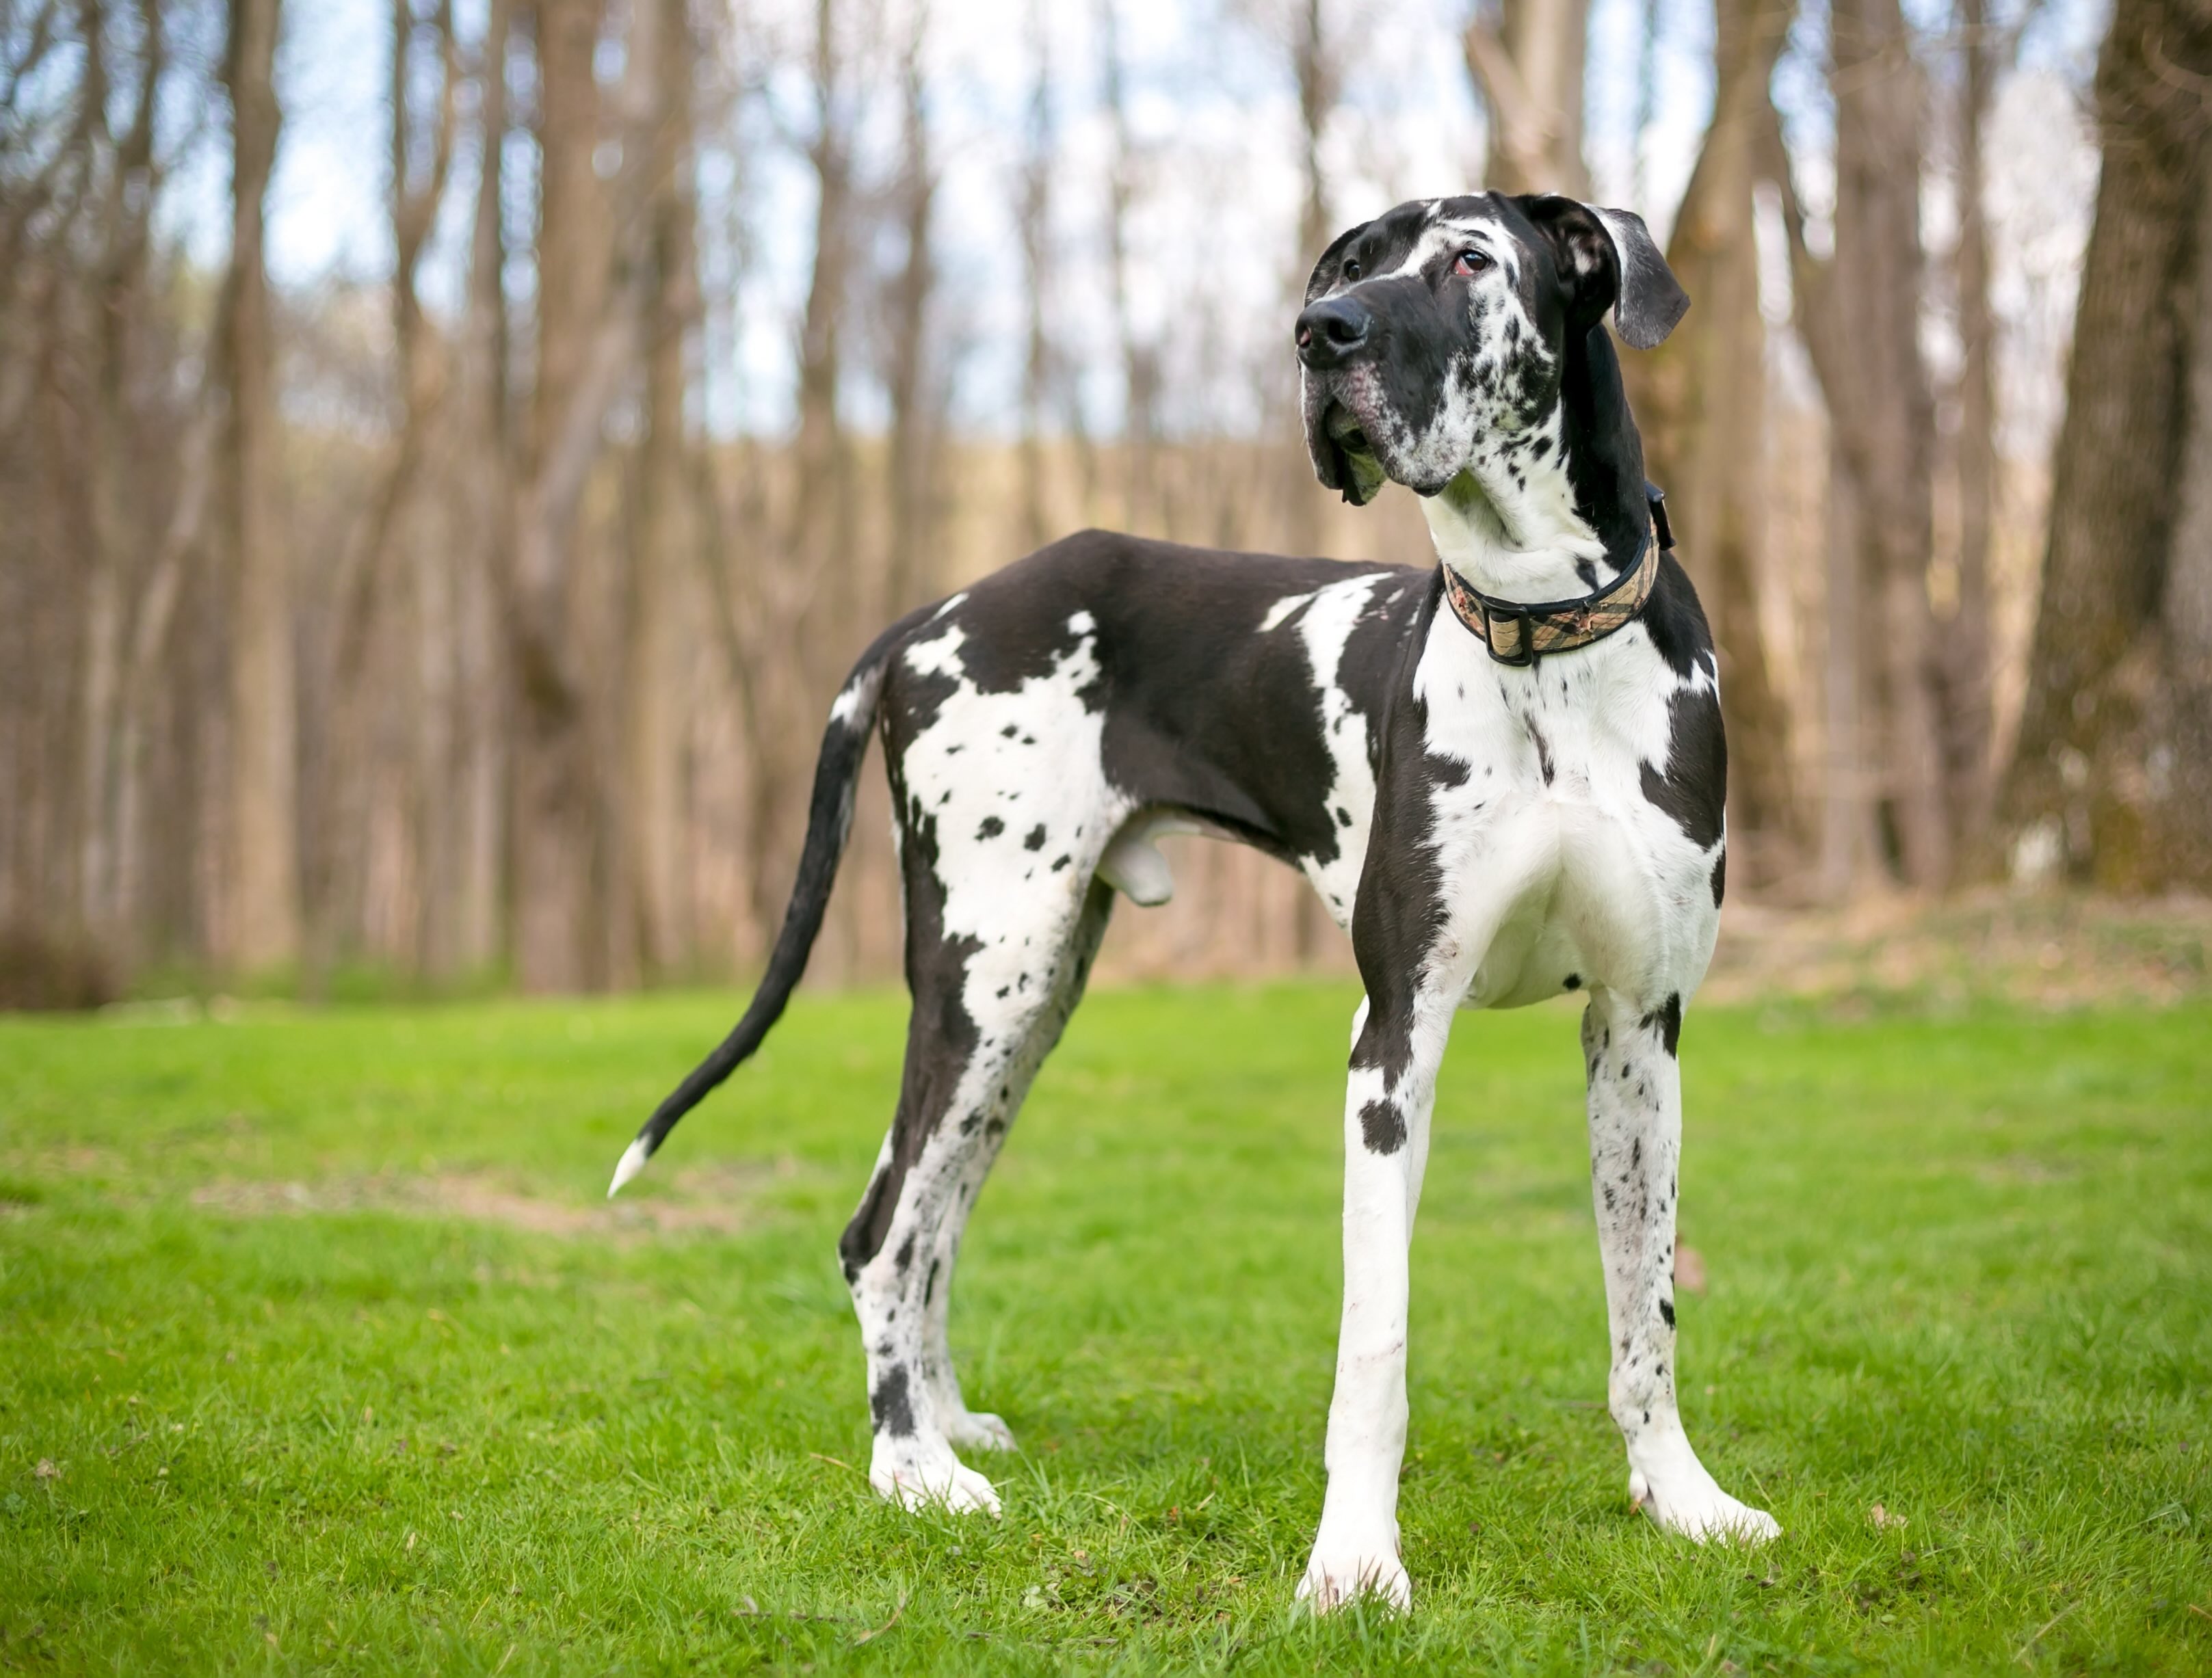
x=1436 y=338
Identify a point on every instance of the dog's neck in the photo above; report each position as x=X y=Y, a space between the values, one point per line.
x=1556 y=509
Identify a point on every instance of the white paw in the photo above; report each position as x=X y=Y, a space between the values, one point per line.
x=938 y=1483
x=1702 y=1513
x=979 y=1430
x=1336 y=1578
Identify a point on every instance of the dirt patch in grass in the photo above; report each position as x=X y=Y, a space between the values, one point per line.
x=723 y=1200
x=2041 y=949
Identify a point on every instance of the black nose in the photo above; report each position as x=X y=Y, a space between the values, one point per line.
x=1333 y=330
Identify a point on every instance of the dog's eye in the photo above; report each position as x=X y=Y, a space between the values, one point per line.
x=1351 y=268
x=1470 y=262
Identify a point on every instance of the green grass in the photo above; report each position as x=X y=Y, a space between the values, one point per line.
x=333 y=1362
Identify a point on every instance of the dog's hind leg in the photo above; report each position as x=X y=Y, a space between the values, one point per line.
x=967 y=1071
x=1636 y=1147
x=966 y=1428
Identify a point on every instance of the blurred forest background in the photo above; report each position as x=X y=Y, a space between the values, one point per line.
x=450 y=450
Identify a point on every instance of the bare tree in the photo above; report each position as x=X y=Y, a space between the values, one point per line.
x=916 y=379
x=1527 y=63
x=653 y=756
x=555 y=827
x=261 y=927
x=1039 y=271
x=1701 y=406
x=818 y=550
x=1859 y=316
x=1969 y=771
x=2109 y=776
x=1317 y=67
x=1140 y=357
x=122 y=223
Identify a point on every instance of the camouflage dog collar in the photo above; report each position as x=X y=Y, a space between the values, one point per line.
x=1521 y=635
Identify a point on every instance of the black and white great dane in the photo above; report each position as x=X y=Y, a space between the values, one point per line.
x=1490 y=833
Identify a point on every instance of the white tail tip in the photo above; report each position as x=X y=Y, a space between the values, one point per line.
x=633 y=1161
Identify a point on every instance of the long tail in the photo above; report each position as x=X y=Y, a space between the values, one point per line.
x=829 y=820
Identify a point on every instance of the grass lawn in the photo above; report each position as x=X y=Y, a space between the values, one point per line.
x=319 y=1349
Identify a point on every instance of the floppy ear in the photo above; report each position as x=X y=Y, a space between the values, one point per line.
x=1608 y=257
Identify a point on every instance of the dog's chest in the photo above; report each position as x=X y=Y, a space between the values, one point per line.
x=1540 y=785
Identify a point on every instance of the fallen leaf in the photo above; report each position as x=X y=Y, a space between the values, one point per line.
x=1689 y=1270
x=47 y=1471
x=1880 y=1517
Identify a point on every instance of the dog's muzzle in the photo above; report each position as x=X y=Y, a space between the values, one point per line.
x=1337 y=341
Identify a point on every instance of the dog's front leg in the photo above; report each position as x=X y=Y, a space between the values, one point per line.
x=1636 y=1147
x=1388 y=1101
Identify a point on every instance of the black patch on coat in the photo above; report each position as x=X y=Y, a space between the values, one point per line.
x=1675 y=620
x=1667 y=1311
x=1401 y=911
x=1694 y=791
x=990 y=829
x=1203 y=713
x=1383 y=1127
x=1720 y=876
x=1667 y=1021
x=891 y=1407
x=1035 y=839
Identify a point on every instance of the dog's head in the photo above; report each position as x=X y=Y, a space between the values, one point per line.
x=1448 y=324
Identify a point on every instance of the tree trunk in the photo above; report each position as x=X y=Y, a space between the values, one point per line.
x=819 y=554
x=1702 y=400
x=554 y=831
x=1039 y=271
x=115 y=579
x=2187 y=828
x=653 y=807
x=261 y=928
x=1140 y=357
x=483 y=484
x=1968 y=770
x=2096 y=782
x=916 y=382
x=1859 y=315
x=1527 y=67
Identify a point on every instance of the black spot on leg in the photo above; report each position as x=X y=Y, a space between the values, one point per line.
x=1009 y=730
x=992 y=828
x=1667 y=1311
x=1060 y=862
x=1720 y=876
x=1574 y=982
x=1382 y=1127
x=1036 y=839
x=929 y=1288
x=1667 y=1021
x=891 y=1407
x=905 y=1252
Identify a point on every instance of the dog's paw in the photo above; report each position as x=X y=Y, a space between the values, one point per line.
x=942 y=1483
x=979 y=1430
x=1336 y=1578
x=1703 y=1514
